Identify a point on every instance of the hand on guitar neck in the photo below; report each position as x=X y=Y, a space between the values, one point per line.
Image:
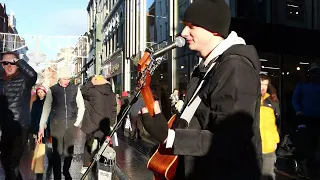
x=156 y=108
x=156 y=126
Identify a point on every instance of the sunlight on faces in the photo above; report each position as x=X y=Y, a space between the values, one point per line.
x=10 y=69
x=197 y=37
x=264 y=86
x=41 y=93
x=64 y=82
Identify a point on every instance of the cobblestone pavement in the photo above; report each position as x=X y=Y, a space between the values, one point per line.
x=132 y=157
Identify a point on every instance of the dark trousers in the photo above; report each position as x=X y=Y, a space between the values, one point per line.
x=13 y=142
x=88 y=153
x=308 y=145
x=63 y=140
x=137 y=127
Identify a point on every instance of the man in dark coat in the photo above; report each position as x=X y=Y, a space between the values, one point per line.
x=218 y=135
x=100 y=114
x=15 y=91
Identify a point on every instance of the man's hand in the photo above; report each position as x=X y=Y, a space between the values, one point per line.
x=10 y=60
x=41 y=133
x=77 y=124
x=156 y=108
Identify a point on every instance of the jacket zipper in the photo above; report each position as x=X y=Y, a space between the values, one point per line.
x=65 y=104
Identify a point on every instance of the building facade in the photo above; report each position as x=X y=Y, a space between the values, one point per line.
x=80 y=53
x=151 y=26
x=270 y=25
x=113 y=36
x=89 y=65
x=3 y=18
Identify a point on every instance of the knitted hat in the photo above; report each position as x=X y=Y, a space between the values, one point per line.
x=64 y=72
x=125 y=94
x=41 y=88
x=212 y=15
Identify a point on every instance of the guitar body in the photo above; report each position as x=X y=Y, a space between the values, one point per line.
x=163 y=163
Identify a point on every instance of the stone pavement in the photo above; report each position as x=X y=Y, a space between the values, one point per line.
x=128 y=158
x=132 y=157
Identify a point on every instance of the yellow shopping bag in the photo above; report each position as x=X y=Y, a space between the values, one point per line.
x=37 y=165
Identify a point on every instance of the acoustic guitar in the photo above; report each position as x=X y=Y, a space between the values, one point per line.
x=162 y=163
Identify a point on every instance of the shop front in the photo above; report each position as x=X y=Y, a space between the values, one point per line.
x=112 y=70
x=285 y=57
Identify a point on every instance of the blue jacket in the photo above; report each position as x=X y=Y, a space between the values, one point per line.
x=306 y=98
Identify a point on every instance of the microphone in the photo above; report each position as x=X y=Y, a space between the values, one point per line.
x=178 y=42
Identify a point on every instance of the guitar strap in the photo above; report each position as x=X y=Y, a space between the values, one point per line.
x=195 y=100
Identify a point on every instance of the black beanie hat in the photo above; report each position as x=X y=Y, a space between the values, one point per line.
x=212 y=15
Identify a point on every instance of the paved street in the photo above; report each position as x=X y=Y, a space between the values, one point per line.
x=132 y=162
x=132 y=157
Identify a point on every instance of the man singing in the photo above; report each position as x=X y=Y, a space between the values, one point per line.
x=218 y=134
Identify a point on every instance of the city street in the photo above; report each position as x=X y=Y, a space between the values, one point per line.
x=131 y=164
x=132 y=157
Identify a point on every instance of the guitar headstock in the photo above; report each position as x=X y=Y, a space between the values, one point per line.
x=143 y=81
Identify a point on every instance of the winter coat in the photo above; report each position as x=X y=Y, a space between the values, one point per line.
x=15 y=95
x=269 y=111
x=223 y=139
x=101 y=108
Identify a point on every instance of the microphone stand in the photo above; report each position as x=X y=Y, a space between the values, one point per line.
x=154 y=63
x=107 y=141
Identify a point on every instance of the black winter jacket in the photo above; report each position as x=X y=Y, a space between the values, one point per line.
x=101 y=108
x=223 y=139
x=15 y=94
x=64 y=104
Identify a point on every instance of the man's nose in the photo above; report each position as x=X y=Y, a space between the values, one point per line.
x=185 y=32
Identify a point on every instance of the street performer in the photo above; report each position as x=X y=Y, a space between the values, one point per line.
x=218 y=133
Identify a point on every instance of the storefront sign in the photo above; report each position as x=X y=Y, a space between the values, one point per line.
x=114 y=67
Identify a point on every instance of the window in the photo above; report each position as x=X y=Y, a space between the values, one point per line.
x=166 y=30
x=160 y=7
x=114 y=41
x=160 y=33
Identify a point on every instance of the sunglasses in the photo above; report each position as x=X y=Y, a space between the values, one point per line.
x=6 y=63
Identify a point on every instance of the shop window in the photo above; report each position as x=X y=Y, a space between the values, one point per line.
x=294 y=70
x=270 y=65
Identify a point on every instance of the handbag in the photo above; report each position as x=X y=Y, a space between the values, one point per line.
x=37 y=165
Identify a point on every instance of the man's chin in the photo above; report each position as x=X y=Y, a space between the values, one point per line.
x=192 y=47
x=9 y=73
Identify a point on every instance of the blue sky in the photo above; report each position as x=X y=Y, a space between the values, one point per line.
x=58 y=17
x=50 y=18
x=149 y=3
